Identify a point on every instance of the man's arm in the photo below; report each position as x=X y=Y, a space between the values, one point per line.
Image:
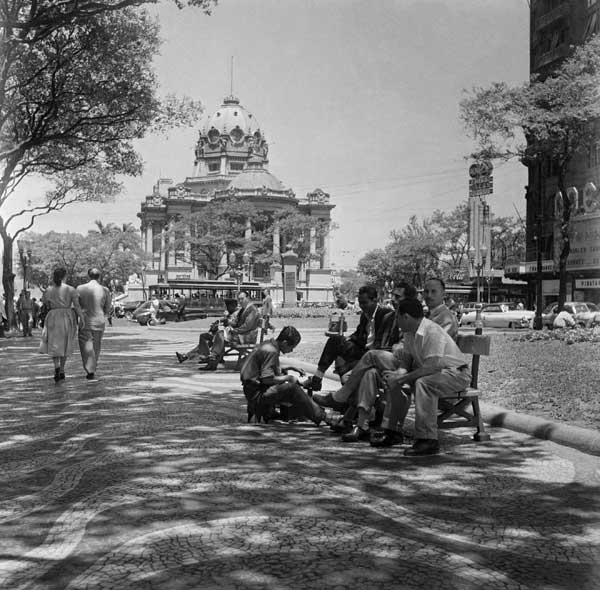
x=250 y=322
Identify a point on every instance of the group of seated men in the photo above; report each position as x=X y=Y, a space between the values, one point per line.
x=238 y=327
x=392 y=355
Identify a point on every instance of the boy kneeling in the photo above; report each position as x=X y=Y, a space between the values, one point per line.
x=265 y=384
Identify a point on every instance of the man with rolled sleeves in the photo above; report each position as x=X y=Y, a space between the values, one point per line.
x=95 y=302
x=431 y=365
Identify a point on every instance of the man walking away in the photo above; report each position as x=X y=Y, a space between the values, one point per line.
x=95 y=302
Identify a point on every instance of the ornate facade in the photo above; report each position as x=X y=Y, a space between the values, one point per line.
x=231 y=160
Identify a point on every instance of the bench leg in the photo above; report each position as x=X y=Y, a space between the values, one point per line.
x=481 y=435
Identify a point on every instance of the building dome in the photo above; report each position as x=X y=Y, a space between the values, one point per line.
x=256 y=178
x=231 y=115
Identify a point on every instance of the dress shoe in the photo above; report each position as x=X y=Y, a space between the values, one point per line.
x=56 y=375
x=356 y=434
x=326 y=400
x=389 y=439
x=313 y=383
x=423 y=446
x=181 y=357
x=341 y=427
x=321 y=418
x=210 y=366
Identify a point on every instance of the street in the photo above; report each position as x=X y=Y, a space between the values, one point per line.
x=151 y=478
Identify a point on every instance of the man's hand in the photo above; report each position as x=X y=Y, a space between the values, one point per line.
x=394 y=378
x=291 y=379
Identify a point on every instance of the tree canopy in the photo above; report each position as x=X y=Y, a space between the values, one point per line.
x=438 y=246
x=209 y=237
x=77 y=87
x=547 y=121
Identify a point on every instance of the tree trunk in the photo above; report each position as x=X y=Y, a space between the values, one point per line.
x=8 y=280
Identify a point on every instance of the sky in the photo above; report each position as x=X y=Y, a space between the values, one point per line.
x=357 y=97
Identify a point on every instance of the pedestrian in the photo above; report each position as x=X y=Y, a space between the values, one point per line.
x=60 y=326
x=35 y=312
x=180 y=307
x=268 y=309
x=95 y=301
x=25 y=309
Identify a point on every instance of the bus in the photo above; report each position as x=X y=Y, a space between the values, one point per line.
x=206 y=298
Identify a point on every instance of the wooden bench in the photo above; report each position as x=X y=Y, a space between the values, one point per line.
x=462 y=409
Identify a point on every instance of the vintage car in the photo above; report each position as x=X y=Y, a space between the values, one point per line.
x=584 y=313
x=500 y=315
x=167 y=312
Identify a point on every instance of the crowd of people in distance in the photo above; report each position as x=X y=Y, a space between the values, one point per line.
x=393 y=356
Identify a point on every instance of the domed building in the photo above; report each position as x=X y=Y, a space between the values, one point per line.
x=231 y=160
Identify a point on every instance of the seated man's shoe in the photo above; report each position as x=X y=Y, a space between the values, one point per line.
x=388 y=439
x=423 y=446
x=326 y=400
x=355 y=435
x=341 y=426
x=211 y=365
x=314 y=383
x=322 y=418
x=181 y=357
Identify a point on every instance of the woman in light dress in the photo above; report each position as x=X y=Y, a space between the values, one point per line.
x=60 y=327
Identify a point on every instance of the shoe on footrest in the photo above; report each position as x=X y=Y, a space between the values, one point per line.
x=314 y=383
x=181 y=357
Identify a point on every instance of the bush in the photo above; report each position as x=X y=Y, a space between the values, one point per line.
x=303 y=312
x=567 y=335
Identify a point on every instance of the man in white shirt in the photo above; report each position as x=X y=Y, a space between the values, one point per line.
x=95 y=302
x=432 y=365
x=564 y=319
x=434 y=291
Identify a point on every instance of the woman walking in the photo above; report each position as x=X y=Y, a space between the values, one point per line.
x=60 y=327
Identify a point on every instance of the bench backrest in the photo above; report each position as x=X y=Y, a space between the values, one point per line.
x=475 y=345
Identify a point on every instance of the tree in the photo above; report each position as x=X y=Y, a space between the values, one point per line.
x=116 y=254
x=76 y=88
x=543 y=122
x=210 y=236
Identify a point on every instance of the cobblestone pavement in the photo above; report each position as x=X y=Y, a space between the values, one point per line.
x=151 y=479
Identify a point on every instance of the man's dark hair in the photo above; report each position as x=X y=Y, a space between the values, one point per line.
x=440 y=281
x=290 y=335
x=369 y=290
x=412 y=307
x=94 y=274
x=244 y=292
x=410 y=292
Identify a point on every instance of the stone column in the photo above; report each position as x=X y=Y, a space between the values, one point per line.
x=290 y=261
x=312 y=263
x=276 y=238
x=326 y=250
x=248 y=231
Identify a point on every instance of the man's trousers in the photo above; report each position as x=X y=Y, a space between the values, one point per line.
x=90 y=342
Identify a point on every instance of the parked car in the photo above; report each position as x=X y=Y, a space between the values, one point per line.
x=584 y=313
x=167 y=311
x=500 y=315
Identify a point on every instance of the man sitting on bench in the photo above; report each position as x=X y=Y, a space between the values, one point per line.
x=346 y=352
x=240 y=327
x=433 y=366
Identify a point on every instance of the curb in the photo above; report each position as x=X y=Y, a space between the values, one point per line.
x=582 y=439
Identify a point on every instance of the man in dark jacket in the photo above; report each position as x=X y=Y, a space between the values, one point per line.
x=371 y=329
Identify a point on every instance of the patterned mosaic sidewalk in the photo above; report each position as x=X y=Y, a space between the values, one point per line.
x=151 y=479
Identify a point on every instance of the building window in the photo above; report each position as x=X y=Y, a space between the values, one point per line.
x=236 y=166
x=214 y=167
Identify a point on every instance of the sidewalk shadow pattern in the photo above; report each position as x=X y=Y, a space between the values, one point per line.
x=151 y=479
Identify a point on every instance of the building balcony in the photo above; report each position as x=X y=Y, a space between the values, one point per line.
x=550 y=56
x=552 y=16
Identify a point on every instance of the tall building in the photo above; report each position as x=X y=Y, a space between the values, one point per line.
x=231 y=160
x=556 y=26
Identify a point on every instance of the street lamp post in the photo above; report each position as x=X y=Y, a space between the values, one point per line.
x=478 y=265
